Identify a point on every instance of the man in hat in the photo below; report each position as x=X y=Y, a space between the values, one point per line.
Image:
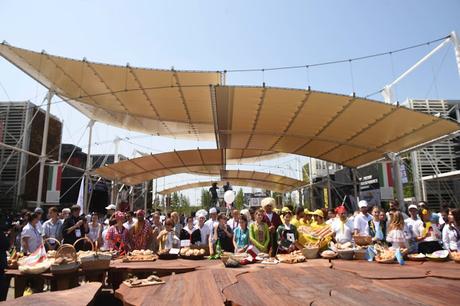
x=74 y=226
x=273 y=220
x=341 y=226
x=361 y=221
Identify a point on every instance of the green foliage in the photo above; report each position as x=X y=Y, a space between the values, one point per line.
x=205 y=199
x=180 y=203
x=306 y=173
x=239 y=200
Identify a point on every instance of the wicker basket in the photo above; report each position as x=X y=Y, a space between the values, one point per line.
x=362 y=240
x=360 y=254
x=346 y=254
x=310 y=252
x=93 y=248
x=47 y=240
x=66 y=250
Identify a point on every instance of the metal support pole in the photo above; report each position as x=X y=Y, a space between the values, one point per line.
x=416 y=176
x=456 y=42
x=310 y=175
x=146 y=192
x=44 y=143
x=88 y=167
x=387 y=92
x=355 y=184
x=113 y=194
x=396 y=160
x=329 y=199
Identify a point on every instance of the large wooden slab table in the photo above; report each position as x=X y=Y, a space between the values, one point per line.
x=326 y=286
x=315 y=282
x=118 y=270
x=79 y=296
x=203 y=287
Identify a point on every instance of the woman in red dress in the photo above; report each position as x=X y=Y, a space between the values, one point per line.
x=117 y=235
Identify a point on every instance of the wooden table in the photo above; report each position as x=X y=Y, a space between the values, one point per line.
x=57 y=281
x=78 y=296
x=203 y=287
x=315 y=282
x=118 y=270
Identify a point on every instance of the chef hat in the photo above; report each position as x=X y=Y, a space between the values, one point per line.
x=201 y=213
x=213 y=210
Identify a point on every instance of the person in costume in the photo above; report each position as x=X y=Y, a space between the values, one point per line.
x=140 y=233
x=287 y=235
x=117 y=235
x=259 y=234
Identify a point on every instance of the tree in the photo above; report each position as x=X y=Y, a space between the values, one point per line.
x=205 y=199
x=306 y=173
x=239 y=200
x=175 y=201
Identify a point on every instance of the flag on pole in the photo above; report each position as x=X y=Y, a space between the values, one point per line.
x=81 y=200
x=53 y=190
x=54 y=177
x=385 y=174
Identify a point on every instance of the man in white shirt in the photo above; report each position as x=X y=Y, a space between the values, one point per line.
x=413 y=225
x=52 y=228
x=361 y=221
x=130 y=220
x=234 y=221
x=342 y=228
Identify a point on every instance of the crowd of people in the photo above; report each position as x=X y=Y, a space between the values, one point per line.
x=265 y=229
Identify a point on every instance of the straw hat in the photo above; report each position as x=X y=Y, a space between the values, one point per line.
x=318 y=212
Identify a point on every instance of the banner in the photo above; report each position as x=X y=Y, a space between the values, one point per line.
x=81 y=200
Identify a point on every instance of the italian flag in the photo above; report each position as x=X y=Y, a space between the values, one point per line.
x=385 y=174
x=54 y=177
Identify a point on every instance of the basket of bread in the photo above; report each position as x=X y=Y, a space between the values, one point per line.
x=362 y=240
x=416 y=257
x=12 y=259
x=168 y=254
x=291 y=258
x=455 y=256
x=66 y=260
x=194 y=254
x=140 y=256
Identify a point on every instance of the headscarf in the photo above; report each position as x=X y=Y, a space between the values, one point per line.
x=119 y=215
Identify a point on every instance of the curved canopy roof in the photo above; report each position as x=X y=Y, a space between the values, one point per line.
x=138 y=170
x=254 y=179
x=199 y=161
x=346 y=130
x=153 y=101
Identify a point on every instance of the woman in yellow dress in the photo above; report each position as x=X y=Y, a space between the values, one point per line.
x=317 y=232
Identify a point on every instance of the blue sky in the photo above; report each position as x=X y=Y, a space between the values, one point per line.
x=231 y=35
